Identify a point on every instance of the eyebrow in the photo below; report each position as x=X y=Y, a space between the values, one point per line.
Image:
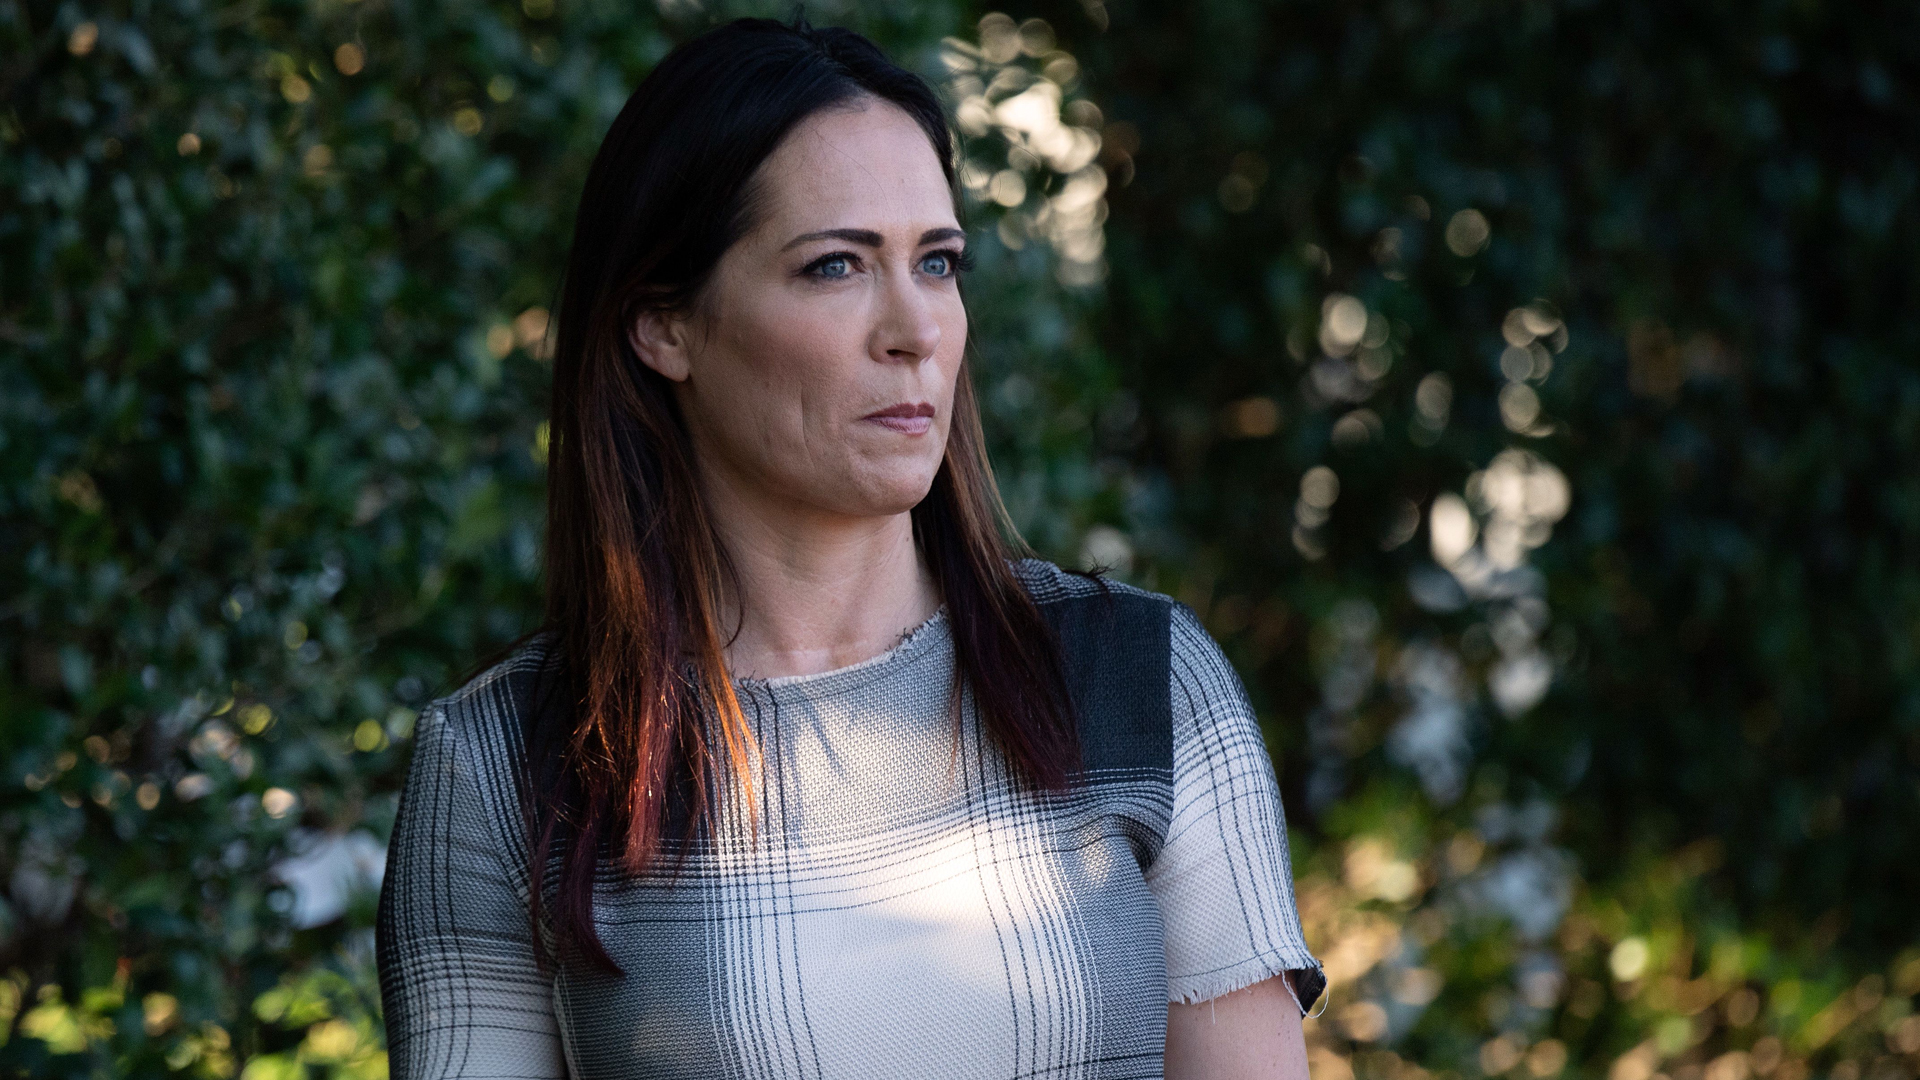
x=869 y=238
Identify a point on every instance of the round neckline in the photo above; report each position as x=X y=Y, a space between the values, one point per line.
x=855 y=674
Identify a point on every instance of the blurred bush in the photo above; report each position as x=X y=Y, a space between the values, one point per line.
x=1527 y=397
x=1520 y=392
x=274 y=320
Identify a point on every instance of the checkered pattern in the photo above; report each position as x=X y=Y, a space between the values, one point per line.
x=900 y=909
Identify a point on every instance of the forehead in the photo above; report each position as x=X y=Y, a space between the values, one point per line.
x=867 y=166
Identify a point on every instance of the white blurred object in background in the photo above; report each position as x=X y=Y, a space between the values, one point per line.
x=325 y=872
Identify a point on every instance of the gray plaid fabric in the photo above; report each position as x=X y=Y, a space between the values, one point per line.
x=901 y=908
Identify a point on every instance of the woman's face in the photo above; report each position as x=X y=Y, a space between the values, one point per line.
x=818 y=373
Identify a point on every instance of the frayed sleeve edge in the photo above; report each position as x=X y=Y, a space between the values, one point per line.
x=1205 y=986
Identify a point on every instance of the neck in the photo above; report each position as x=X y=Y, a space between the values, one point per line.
x=816 y=591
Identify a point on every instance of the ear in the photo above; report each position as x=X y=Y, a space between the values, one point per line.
x=659 y=339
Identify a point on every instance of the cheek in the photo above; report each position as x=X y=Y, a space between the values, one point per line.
x=951 y=356
x=778 y=381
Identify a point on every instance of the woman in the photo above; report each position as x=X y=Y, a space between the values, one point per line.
x=815 y=777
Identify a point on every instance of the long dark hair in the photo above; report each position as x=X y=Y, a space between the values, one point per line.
x=642 y=729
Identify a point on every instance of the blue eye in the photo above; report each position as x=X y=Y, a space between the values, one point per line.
x=952 y=262
x=834 y=266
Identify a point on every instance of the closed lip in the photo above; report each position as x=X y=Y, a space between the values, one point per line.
x=910 y=418
x=903 y=410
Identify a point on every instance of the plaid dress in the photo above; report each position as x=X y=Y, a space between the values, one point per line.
x=900 y=908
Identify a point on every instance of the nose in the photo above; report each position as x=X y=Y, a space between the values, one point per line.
x=906 y=328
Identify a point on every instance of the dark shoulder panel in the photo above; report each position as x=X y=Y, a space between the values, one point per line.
x=508 y=693
x=1114 y=643
x=494 y=711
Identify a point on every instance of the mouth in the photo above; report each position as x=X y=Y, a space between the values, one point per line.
x=907 y=418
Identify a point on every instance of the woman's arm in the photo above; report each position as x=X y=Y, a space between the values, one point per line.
x=1224 y=882
x=464 y=996
x=1249 y=1034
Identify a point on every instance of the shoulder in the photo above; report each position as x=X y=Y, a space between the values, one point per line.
x=1213 y=719
x=465 y=781
x=483 y=721
x=1102 y=624
x=1049 y=583
x=506 y=677
x=1115 y=652
x=1121 y=635
x=1196 y=656
x=1119 y=616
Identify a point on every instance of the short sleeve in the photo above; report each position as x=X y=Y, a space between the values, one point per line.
x=1223 y=880
x=461 y=989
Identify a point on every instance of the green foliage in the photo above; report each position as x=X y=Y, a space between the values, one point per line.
x=274 y=286
x=1623 y=290
x=1521 y=392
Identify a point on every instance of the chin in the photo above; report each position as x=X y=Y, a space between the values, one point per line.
x=890 y=492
